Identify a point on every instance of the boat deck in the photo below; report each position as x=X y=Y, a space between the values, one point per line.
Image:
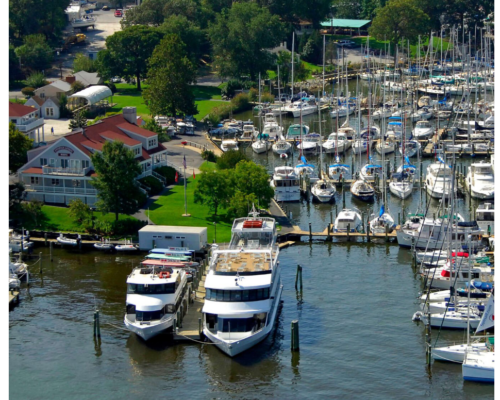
x=243 y=262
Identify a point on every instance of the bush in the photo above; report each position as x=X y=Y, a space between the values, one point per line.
x=36 y=80
x=267 y=97
x=155 y=185
x=241 y=102
x=254 y=94
x=230 y=87
x=209 y=155
x=168 y=173
x=112 y=86
x=213 y=118
x=76 y=86
x=28 y=91
x=128 y=226
x=229 y=159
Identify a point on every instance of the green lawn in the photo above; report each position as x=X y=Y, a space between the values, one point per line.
x=57 y=219
x=168 y=210
x=128 y=95
x=208 y=166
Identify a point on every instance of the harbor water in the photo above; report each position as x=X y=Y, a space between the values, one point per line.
x=357 y=339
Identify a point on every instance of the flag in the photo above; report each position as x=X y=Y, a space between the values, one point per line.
x=194 y=176
x=488 y=319
x=184 y=162
x=176 y=177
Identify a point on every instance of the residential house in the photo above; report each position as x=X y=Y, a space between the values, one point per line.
x=54 y=89
x=62 y=170
x=49 y=107
x=28 y=121
x=88 y=78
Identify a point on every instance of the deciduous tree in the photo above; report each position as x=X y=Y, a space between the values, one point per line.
x=116 y=170
x=19 y=144
x=213 y=189
x=170 y=75
x=79 y=211
x=252 y=179
x=190 y=34
x=83 y=63
x=35 y=54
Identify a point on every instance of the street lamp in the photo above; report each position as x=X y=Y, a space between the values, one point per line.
x=215 y=232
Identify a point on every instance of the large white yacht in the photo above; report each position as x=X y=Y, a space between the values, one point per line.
x=285 y=183
x=243 y=286
x=154 y=294
x=439 y=181
x=481 y=181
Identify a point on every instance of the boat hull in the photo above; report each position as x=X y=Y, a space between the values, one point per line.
x=149 y=331
x=456 y=353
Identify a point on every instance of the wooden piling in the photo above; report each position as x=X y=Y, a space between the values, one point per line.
x=45 y=237
x=310 y=232
x=97 y=324
x=295 y=335
x=51 y=245
x=40 y=261
x=399 y=218
x=348 y=231
x=386 y=233
x=298 y=278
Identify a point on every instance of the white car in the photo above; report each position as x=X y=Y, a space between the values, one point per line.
x=116 y=79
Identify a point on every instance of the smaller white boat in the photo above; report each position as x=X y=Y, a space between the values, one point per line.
x=423 y=130
x=282 y=146
x=439 y=181
x=261 y=146
x=104 y=246
x=67 y=241
x=455 y=319
x=14 y=282
x=485 y=217
x=307 y=170
x=229 y=144
x=360 y=146
x=401 y=185
x=323 y=191
x=337 y=172
x=411 y=148
x=348 y=219
x=385 y=146
x=83 y=23
x=310 y=143
x=126 y=247
x=481 y=181
x=382 y=222
x=369 y=171
x=336 y=143
x=363 y=191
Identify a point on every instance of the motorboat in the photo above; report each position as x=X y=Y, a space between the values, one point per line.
x=19 y=245
x=294 y=131
x=305 y=170
x=249 y=132
x=485 y=217
x=348 y=220
x=362 y=190
x=423 y=130
x=338 y=171
x=229 y=144
x=84 y=22
x=282 y=146
x=480 y=181
x=310 y=143
x=67 y=241
x=302 y=107
x=385 y=146
x=401 y=185
x=104 y=245
x=154 y=296
x=411 y=148
x=382 y=224
x=323 y=190
x=285 y=183
x=271 y=127
x=336 y=143
x=243 y=286
x=173 y=251
x=369 y=171
x=126 y=247
x=439 y=181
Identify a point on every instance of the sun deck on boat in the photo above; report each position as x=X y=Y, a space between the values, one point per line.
x=244 y=262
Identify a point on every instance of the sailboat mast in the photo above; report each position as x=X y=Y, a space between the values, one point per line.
x=293 y=55
x=324 y=44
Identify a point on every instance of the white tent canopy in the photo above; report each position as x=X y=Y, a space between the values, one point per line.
x=93 y=94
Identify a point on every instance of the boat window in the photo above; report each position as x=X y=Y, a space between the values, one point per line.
x=148 y=315
x=130 y=308
x=236 y=324
x=163 y=288
x=237 y=295
x=485 y=216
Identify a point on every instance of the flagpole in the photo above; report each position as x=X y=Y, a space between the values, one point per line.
x=185 y=189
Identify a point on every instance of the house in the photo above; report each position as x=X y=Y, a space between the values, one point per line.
x=54 y=89
x=49 y=107
x=343 y=26
x=88 y=78
x=62 y=170
x=27 y=120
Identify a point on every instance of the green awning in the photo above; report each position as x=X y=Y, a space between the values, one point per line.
x=345 y=23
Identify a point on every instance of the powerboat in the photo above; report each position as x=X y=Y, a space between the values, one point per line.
x=323 y=190
x=336 y=143
x=481 y=181
x=401 y=185
x=439 y=181
x=285 y=183
x=104 y=245
x=66 y=240
x=310 y=143
x=84 y=22
x=362 y=190
x=294 y=131
x=126 y=247
x=154 y=296
x=243 y=286
x=229 y=144
x=423 y=130
x=249 y=132
x=348 y=219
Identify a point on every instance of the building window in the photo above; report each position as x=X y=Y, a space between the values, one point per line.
x=49 y=111
x=55 y=182
x=64 y=163
x=152 y=143
x=34 y=180
x=85 y=163
x=14 y=121
x=52 y=162
x=43 y=161
x=76 y=183
x=42 y=95
x=137 y=151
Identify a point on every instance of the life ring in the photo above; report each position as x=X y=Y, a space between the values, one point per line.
x=164 y=275
x=407 y=170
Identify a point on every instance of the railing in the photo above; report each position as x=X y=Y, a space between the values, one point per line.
x=60 y=189
x=159 y=177
x=65 y=171
x=144 y=174
x=30 y=124
x=193 y=144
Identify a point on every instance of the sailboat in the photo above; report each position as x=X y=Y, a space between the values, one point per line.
x=281 y=146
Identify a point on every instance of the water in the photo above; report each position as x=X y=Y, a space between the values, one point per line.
x=357 y=339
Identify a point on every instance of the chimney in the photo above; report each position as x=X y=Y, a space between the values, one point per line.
x=130 y=114
x=70 y=79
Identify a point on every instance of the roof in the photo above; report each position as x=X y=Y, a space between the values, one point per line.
x=93 y=94
x=172 y=229
x=37 y=100
x=61 y=85
x=87 y=78
x=345 y=23
x=54 y=100
x=92 y=144
x=136 y=129
x=121 y=137
x=20 y=110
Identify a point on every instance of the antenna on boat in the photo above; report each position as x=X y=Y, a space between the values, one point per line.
x=254 y=213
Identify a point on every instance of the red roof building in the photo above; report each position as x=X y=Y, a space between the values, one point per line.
x=61 y=171
x=28 y=121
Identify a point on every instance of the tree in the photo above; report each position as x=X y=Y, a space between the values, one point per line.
x=79 y=120
x=399 y=19
x=150 y=12
x=36 y=80
x=63 y=106
x=79 y=211
x=213 y=189
x=252 y=179
x=19 y=144
x=241 y=38
x=35 y=54
x=83 y=63
x=116 y=170
x=315 y=11
x=186 y=8
x=32 y=212
x=153 y=126
x=76 y=86
x=127 y=52
x=28 y=91
x=170 y=75
x=15 y=72
x=240 y=204
x=17 y=195
x=284 y=61
x=230 y=158
x=189 y=33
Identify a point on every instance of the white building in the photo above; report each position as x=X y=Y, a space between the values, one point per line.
x=163 y=236
x=27 y=120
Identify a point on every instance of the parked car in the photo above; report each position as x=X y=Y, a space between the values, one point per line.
x=116 y=79
x=346 y=43
x=105 y=8
x=118 y=13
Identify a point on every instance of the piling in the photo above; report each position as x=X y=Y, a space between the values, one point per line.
x=40 y=261
x=367 y=230
x=399 y=218
x=428 y=346
x=199 y=327
x=343 y=194
x=348 y=231
x=331 y=218
x=386 y=233
x=336 y=212
x=51 y=245
x=97 y=325
x=178 y=320
x=310 y=232
x=298 y=278
x=295 y=335
x=45 y=237
x=181 y=315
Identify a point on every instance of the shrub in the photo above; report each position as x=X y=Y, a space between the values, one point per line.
x=241 y=102
x=168 y=173
x=28 y=91
x=254 y=94
x=213 y=118
x=128 y=226
x=112 y=86
x=209 y=155
x=229 y=159
x=76 y=86
x=36 y=80
x=155 y=185
x=230 y=87
x=267 y=97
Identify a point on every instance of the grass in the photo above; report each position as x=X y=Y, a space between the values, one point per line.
x=128 y=95
x=208 y=166
x=57 y=219
x=168 y=210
